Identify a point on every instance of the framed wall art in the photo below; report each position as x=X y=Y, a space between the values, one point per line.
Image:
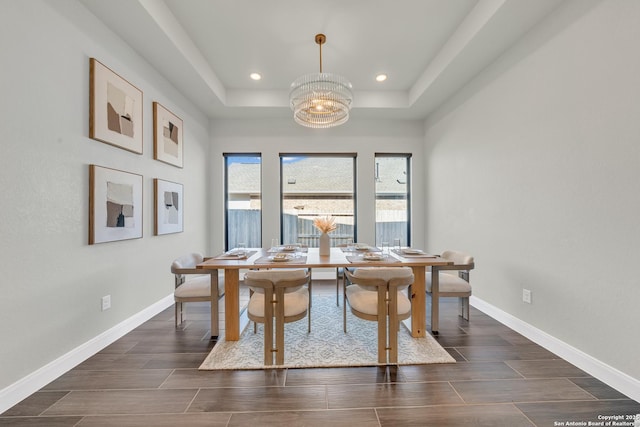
x=168 y=207
x=115 y=205
x=167 y=136
x=115 y=109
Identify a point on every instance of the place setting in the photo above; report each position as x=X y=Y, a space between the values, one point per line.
x=238 y=253
x=282 y=257
x=363 y=253
x=413 y=253
x=408 y=252
x=283 y=253
x=289 y=248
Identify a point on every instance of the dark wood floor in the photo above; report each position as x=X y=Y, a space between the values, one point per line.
x=150 y=377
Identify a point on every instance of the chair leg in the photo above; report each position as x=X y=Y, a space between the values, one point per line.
x=308 y=314
x=268 y=328
x=382 y=325
x=279 y=315
x=344 y=308
x=464 y=307
x=309 y=288
x=338 y=287
x=394 y=324
x=382 y=338
x=179 y=315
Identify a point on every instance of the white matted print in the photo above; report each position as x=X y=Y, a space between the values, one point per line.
x=115 y=109
x=115 y=205
x=167 y=136
x=169 y=207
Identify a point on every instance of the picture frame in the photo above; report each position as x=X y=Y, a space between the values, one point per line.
x=115 y=109
x=168 y=207
x=115 y=205
x=167 y=136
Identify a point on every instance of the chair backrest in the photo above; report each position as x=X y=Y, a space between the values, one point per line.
x=188 y=261
x=386 y=274
x=461 y=262
x=457 y=257
x=186 y=265
x=291 y=280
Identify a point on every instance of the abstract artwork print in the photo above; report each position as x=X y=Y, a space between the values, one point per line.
x=115 y=205
x=169 y=207
x=170 y=138
x=115 y=109
x=167 y=136
x=119 y=111
x=119 y=205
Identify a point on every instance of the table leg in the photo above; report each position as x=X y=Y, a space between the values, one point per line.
x=231 y=304
x=214 y=304
x=418 y=302
x=435 y=300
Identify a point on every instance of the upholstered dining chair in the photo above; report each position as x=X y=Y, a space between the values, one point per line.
x=278 y=296
x=374 y=293
x=193 y=285
x=454 y=282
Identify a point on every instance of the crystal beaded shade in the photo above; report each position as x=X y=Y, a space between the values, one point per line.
x=321 y=100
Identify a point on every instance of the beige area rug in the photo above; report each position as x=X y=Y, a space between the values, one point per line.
x=326 y=346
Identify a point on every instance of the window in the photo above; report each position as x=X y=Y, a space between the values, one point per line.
x=315 y=185
x=393 y=209
x=243 y=207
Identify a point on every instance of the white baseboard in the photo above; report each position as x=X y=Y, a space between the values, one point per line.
x=33 y=382
x=620 y=381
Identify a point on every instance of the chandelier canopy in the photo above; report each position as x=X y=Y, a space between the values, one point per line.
x=321 y=100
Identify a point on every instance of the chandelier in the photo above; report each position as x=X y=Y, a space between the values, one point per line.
x=321 y=100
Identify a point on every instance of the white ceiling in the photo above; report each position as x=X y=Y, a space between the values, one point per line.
x=428 y=48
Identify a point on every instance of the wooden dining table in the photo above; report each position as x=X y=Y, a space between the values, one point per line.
x=338 y=257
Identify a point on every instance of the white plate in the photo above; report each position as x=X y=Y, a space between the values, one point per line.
x=238 y=253
x=372 y=257
x=281 y=258
x=412 y=251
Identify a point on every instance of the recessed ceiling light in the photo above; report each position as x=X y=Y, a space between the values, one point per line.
x=381 y=77
x=255 y=76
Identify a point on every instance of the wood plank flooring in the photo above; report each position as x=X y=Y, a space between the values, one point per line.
x=150 y=377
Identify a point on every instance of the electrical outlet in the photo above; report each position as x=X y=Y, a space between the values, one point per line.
x=526 y=296
x=106 y=302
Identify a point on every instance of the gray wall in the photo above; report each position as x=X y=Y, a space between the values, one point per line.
x=534 y=169
x=52 y=280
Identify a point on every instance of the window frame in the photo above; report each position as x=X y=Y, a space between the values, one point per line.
x=407 y=157
x=346 y=155
x=226 y=156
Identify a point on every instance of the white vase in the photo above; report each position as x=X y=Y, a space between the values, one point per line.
x=325 y=245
